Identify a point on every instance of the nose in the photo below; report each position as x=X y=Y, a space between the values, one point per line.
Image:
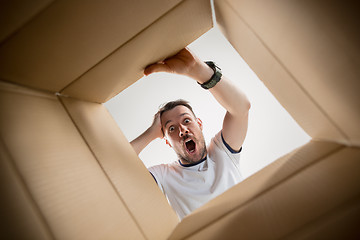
x=182 y=131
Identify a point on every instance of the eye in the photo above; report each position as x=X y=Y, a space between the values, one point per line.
x=186 y=120
x=171 y=128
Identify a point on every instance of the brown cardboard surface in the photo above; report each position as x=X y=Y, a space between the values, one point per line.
x=272 y=175
x=285 y=197
x=69 y=37
x=18 y=210
x=16 y=13
x=131 y=179
x=306 y=53
x=59 y=172
x=170 y=33
x=68 y=172
x=345 y=217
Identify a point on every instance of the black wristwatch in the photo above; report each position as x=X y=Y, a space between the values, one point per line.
x=215 y=78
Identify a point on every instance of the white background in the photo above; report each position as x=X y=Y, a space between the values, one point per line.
x=272 y=132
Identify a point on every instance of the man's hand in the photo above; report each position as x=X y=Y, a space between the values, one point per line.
x=153 y=132
x=155 y=127
x=180 y=63
x=183 y=63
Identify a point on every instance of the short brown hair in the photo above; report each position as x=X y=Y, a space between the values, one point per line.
x=170 y=105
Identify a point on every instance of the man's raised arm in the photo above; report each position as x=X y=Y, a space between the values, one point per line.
x=153 y=132
x=225 y=92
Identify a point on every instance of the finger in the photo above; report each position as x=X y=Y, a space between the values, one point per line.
x=157 y=67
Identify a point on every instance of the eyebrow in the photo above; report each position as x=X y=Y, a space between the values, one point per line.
x=168 y=121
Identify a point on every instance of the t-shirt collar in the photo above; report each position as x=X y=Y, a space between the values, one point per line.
x=192 y=164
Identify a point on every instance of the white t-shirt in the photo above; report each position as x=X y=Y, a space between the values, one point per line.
x=189 y=187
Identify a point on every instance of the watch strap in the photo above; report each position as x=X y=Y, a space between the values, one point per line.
x=215 y=78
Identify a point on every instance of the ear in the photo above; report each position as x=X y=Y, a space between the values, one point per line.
x=198 y=120
x=167 y=142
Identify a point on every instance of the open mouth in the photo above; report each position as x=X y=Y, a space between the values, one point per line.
x=190 y=146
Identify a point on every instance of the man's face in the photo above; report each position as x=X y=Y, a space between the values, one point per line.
x=184 y=134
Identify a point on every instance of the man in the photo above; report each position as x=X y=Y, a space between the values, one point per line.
x=201 y=172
